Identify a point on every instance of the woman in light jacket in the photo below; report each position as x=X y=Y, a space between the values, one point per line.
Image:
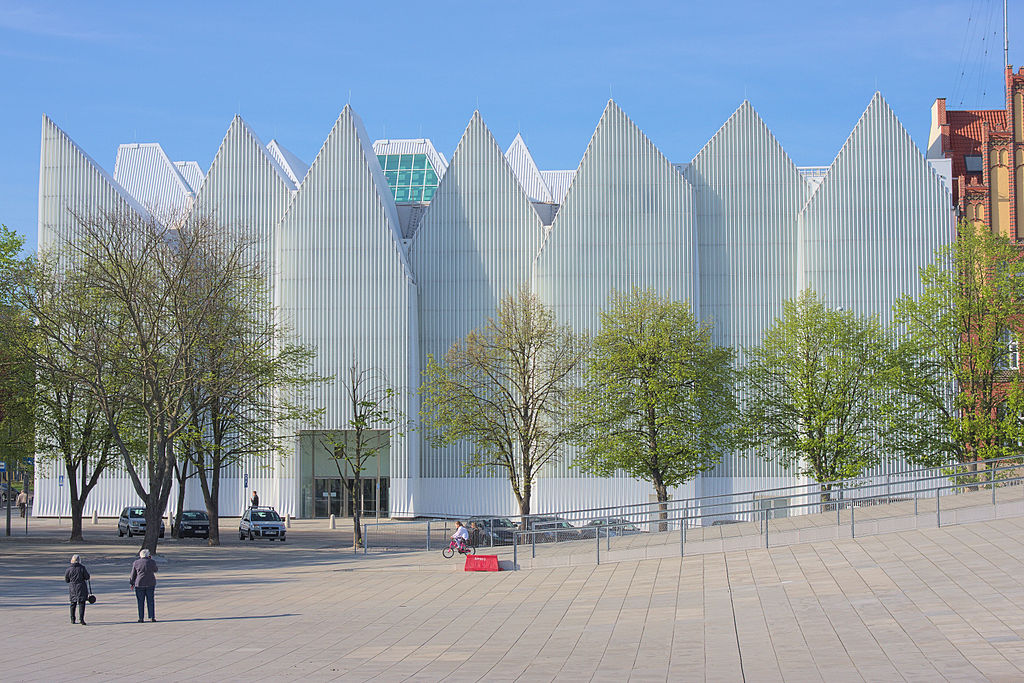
x=77 y=577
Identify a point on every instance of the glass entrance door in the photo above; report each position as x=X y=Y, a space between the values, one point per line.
x=328 y=495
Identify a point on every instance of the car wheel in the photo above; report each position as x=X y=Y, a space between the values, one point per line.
x=251 y=537
x=120 y=534
x=129 y=532
x=241 y=536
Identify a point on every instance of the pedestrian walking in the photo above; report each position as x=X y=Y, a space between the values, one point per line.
x=77 y=577
x=143 y=580
x=22 y=502
x=255 y=500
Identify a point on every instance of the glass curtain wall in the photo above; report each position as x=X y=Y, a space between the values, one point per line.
x=327 y=481
x=410 y=176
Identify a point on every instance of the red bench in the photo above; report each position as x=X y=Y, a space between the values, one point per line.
x=482 y=563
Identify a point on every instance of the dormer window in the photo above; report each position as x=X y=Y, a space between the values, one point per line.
x=973 y=163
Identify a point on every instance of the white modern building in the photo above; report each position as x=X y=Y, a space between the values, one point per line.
x=384 y=252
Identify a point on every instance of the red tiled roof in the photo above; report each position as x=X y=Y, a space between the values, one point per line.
x=965 y=133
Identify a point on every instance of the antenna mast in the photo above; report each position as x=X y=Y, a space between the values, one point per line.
x=1006 y=39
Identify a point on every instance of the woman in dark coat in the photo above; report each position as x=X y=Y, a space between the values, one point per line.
x=77 y=577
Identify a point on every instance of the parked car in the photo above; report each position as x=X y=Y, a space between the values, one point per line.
x=133 y=522
x=195 y=523
x=261 y=522
x=614 y=526
x=6 y=490
x=555 y=529
x=500 y=529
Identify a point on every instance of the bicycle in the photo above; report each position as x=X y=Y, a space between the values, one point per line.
x=449 y=552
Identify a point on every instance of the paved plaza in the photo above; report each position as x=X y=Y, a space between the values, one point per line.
x=922 y=605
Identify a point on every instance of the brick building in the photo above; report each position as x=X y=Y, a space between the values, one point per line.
x=986 y=148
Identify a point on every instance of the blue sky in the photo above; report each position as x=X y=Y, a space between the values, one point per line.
x=176 y=73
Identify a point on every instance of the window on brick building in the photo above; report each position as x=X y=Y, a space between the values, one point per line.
x=973 y=163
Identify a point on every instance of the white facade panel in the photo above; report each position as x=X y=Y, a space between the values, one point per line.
x=344 y=284
x=627 y=221
x=153 y=180
x=748 y=194
x=474 y=245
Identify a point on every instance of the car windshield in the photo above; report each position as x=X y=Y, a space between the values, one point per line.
x=502 y=522
x=137 y=512
x=265 y=516
x=194 y=516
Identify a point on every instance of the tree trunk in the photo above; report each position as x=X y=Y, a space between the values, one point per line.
x=77 y=503
x=357 y=507
x=182 y=477
x=661 y=492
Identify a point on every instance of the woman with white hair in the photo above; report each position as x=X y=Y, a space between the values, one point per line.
x=143 y=580
x=77 y=577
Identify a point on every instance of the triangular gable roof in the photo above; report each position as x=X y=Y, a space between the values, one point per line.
x=69 y=180
x=519 y=158
x=880 y=213
x=243 y=163
x=465 y=181
x=293 y=166
x=626 y=221
x=347 y=135
x=878 y=124
x=746 y=125
x=146 y=172
x=191 y=172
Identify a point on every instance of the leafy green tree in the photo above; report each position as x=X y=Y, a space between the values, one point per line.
x=820 y=390
x=371 y=400
x=157 y=285
x=71 y=427
x=505 y=389
x=657 y=400
x=17 y=434
x=963 y=370
x=248 y=377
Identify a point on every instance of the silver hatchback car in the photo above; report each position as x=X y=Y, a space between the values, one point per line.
x=261 y=522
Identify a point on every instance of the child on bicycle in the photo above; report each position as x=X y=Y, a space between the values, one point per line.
x=461 y=536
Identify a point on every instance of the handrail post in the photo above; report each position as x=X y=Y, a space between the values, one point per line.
x=938 y=509
x=365 y=542
x=852 y=531
x=598 y=536
x=515 y=550
x=682 y=536
x=992 y=483
x=915 y=502
x=533 y=543
x=766 y=510
x=428 y=534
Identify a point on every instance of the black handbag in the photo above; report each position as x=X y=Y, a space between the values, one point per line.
x=91 y=598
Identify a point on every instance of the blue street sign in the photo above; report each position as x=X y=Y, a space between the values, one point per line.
x=245 y=479
x=60 y=480
x=3 y=466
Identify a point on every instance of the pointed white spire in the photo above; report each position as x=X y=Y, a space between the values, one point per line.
x=146 y=172
x=293 y=166
x=521 y=161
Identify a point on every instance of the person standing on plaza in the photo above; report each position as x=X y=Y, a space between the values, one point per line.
x=255 y=500
x=77 y=577
x=22 y=502
x=143 y=580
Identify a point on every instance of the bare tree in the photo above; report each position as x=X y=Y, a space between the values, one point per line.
x=372 y=402
x=505 y=389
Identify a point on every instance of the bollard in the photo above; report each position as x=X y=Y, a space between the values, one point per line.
x=852 y=534
x=364 y=540
x=766 y=510
x=95 y=517
x=287 y=521
x=515 y=551
x=938 y=509
x=428 y=534
x=992 y=482
x=682 y=537
x=598 y=536
x=533 y=541
x=331 y=523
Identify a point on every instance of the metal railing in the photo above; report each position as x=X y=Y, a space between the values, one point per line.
x=762 y=507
